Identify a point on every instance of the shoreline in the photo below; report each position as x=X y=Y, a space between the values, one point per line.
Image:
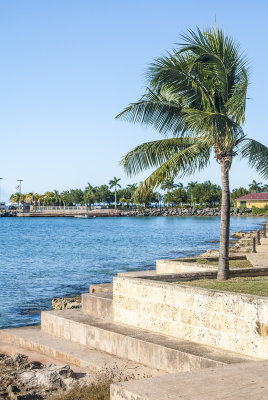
x=146 y=212
x=238 y=242
x=70 y=294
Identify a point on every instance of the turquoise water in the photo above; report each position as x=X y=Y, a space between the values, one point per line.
x=41 y=258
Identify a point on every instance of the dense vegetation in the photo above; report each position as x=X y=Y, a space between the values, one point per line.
x=173 y=194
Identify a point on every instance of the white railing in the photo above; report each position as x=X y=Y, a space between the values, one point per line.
x=60 y=208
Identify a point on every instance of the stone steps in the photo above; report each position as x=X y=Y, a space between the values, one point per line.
x=32 y=339
x=138 y=345
x=98 y=305
x=246 y=381
x=101 y=288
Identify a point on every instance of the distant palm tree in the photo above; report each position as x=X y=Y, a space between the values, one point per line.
x=15 y=198
x=36 y=198
x=114 y=183
x=132 y=187
x=29 y=197
x=56 y=197
x=168 y=184
x=197 y=95
x=255 y=186
x=191 y=185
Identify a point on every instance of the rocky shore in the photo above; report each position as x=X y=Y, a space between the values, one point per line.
x=21 y=379
x=166 y=212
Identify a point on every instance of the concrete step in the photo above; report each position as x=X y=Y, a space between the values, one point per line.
x=33 y=339
x=246 y=381
x=101 y=288
x=139 y=345
x=98 y=305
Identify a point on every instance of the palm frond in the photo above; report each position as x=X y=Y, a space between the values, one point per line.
x=236 y=104
x=157 y=110
x=257 y=155
x=192 y=156
x=176 y=72
x=153 y=154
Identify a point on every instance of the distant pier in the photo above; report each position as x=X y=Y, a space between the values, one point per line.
x=61 y=212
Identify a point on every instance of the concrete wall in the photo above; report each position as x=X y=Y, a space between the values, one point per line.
x=230 y=321
x=173 y=266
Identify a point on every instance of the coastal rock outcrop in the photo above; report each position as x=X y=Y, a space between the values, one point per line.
x=21 y=379
x=63 y=303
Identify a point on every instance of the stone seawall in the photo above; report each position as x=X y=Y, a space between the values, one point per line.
x=166 y=212
x=235 y=322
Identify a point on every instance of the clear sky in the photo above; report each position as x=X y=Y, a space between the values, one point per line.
x=69 y=66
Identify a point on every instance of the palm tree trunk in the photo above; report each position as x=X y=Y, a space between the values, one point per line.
x=115 y=199
x=223 y=268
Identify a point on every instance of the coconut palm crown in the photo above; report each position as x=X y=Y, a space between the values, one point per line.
x=196 y=98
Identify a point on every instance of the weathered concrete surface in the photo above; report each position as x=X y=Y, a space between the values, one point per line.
x=10 y=348
x=181 y=265
x=98 y=305
x=231 y=321
x=48 y=349
x=145 y=347
x=101 y=288
x=137 y=273
x=235 y=382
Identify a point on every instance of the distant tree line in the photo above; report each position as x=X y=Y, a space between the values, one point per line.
x=175 y=194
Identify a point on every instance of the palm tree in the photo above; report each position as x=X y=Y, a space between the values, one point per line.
x=197 y=95
x=29 y=197
x=132 y=187
x=114 y=183
x=15 y=198
x=168 y=184
x=37 y=198
x=255 y=186
x=191 y=185
x=56 y=197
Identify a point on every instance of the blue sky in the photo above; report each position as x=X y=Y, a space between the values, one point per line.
x=69 y=66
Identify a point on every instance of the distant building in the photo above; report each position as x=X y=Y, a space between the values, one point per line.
x=259 y=200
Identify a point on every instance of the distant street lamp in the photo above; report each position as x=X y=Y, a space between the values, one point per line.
x=0 y=188
x=20 y=180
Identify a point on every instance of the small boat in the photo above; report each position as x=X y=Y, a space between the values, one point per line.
x=81 y=216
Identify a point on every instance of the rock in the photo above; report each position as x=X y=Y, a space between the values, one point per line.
x=62 y=303
x=50 y=378
x=24 y=380
x=206 y=211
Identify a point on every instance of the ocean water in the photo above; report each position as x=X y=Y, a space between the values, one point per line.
x=41 y=258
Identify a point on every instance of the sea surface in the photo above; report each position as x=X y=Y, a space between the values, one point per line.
x=42 y=258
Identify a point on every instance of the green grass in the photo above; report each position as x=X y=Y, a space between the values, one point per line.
x=250 y=285
x=232 y=263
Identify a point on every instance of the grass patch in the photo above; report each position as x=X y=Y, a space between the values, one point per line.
x=247 y=285
x=97 y=390
x=232 y=263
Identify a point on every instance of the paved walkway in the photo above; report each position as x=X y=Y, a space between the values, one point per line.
x=260 y=259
